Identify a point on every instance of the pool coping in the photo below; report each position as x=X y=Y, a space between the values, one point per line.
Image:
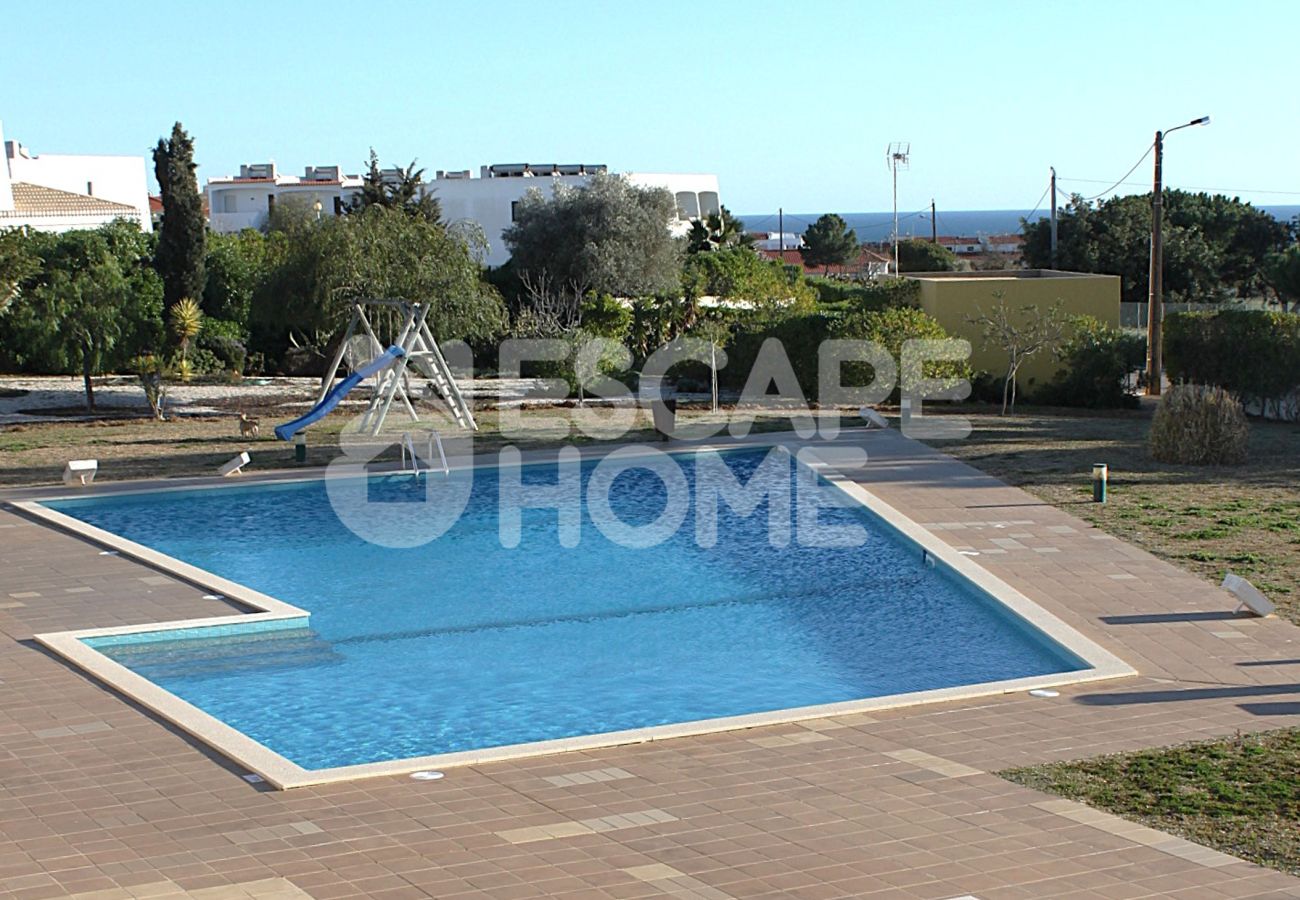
x=281 y=773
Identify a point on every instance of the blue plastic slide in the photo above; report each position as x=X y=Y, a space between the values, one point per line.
x=286 y=431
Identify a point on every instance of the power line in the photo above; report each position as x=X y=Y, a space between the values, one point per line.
x=1150 y=147
x=1039 y=203
x=1186 y=187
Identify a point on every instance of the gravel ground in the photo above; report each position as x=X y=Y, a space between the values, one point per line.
x=27 y=399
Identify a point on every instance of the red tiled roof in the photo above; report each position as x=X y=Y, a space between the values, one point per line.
x=155 y=204
x=794 y=257
x=35 y=200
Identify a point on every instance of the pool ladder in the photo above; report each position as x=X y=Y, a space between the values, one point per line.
x=411 y=459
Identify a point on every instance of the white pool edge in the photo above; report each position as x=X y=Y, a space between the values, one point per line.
x=281 y=773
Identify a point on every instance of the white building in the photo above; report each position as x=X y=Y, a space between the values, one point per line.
x=776 y=240
x=244 y=201
x=490 y=200
x=62 y=192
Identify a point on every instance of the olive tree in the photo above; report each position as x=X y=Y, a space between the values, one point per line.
x=607 y=237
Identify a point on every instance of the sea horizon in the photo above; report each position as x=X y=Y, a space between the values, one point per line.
x=877 y=226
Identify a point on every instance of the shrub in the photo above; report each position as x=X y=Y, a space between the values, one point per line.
x=916 y=255
x=1097 y=362
x=605 y=316
x=1199 y=426
x=199 y=361
x=229 y=353
x=1254 y=354
x=800 y=336
x=738 y=273
x=892 y=328
x=863 y=296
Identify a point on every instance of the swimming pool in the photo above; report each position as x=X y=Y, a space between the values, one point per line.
x=463 y=643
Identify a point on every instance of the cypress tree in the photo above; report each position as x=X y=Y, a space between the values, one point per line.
x=183 y=234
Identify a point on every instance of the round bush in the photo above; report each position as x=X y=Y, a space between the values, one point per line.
x=1199 y=426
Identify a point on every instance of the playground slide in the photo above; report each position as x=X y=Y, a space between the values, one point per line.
x=286 y=431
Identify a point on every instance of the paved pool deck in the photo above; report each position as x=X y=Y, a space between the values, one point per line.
x=100 y=799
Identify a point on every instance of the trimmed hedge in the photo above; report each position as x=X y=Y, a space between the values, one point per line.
x=1254 y=354
x=802 y=336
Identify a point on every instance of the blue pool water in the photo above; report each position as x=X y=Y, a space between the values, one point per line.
x=462 y=643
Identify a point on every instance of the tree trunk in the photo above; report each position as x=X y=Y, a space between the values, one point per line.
x=1006 y=384
x=86 y=355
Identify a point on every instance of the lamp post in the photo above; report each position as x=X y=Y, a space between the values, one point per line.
x=1155 y=307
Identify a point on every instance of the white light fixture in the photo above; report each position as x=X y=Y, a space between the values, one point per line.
x=235 y=466
x=80 y=471
x=1248 y=594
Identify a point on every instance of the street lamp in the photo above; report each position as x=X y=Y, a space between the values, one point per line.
x=1155 y=308
x=317 y=206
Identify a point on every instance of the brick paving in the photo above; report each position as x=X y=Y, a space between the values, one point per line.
x=99 y=799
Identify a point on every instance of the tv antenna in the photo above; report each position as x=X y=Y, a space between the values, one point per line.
x=897 y=157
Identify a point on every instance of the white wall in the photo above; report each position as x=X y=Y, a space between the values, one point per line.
x=120 y=179
x=233 y=206
x=487 y=201
x=59 y=224
x=236 y=206
x=6 y=192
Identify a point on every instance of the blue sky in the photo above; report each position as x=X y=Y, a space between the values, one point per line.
x=791 y=104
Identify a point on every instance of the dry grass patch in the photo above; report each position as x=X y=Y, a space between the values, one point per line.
x=1207 y=519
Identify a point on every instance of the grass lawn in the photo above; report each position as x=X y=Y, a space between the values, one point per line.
x=1240 y=795
x=1208 y=520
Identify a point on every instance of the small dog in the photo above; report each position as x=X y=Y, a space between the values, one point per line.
x=248 y=428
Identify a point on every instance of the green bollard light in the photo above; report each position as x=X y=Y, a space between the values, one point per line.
x=1100 y=474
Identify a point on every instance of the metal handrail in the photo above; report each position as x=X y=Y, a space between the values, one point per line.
x=408 y=451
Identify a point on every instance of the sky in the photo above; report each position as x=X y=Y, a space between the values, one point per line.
x=790 y=104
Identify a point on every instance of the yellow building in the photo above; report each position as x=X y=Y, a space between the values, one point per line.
x=953 y=297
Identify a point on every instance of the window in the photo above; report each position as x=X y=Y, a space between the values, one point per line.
x=514 y=210
x=688 y=205
x=338 y=206
x=270 y=202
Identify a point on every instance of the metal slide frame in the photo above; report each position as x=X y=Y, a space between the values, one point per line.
x=421 y=351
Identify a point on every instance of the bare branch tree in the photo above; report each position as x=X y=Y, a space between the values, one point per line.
x=1021 y=332
x=552 y=307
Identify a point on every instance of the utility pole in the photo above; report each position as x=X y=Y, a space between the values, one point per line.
x=780 y=229
x=895 y=235
x=1052 y=188
x=1155 y=310
x=934 y=226
x=897 y=155
x=1155 y=302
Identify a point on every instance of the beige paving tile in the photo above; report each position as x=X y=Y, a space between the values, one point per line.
x=95 y=792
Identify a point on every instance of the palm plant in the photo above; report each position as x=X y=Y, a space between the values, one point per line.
x=186 y=323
